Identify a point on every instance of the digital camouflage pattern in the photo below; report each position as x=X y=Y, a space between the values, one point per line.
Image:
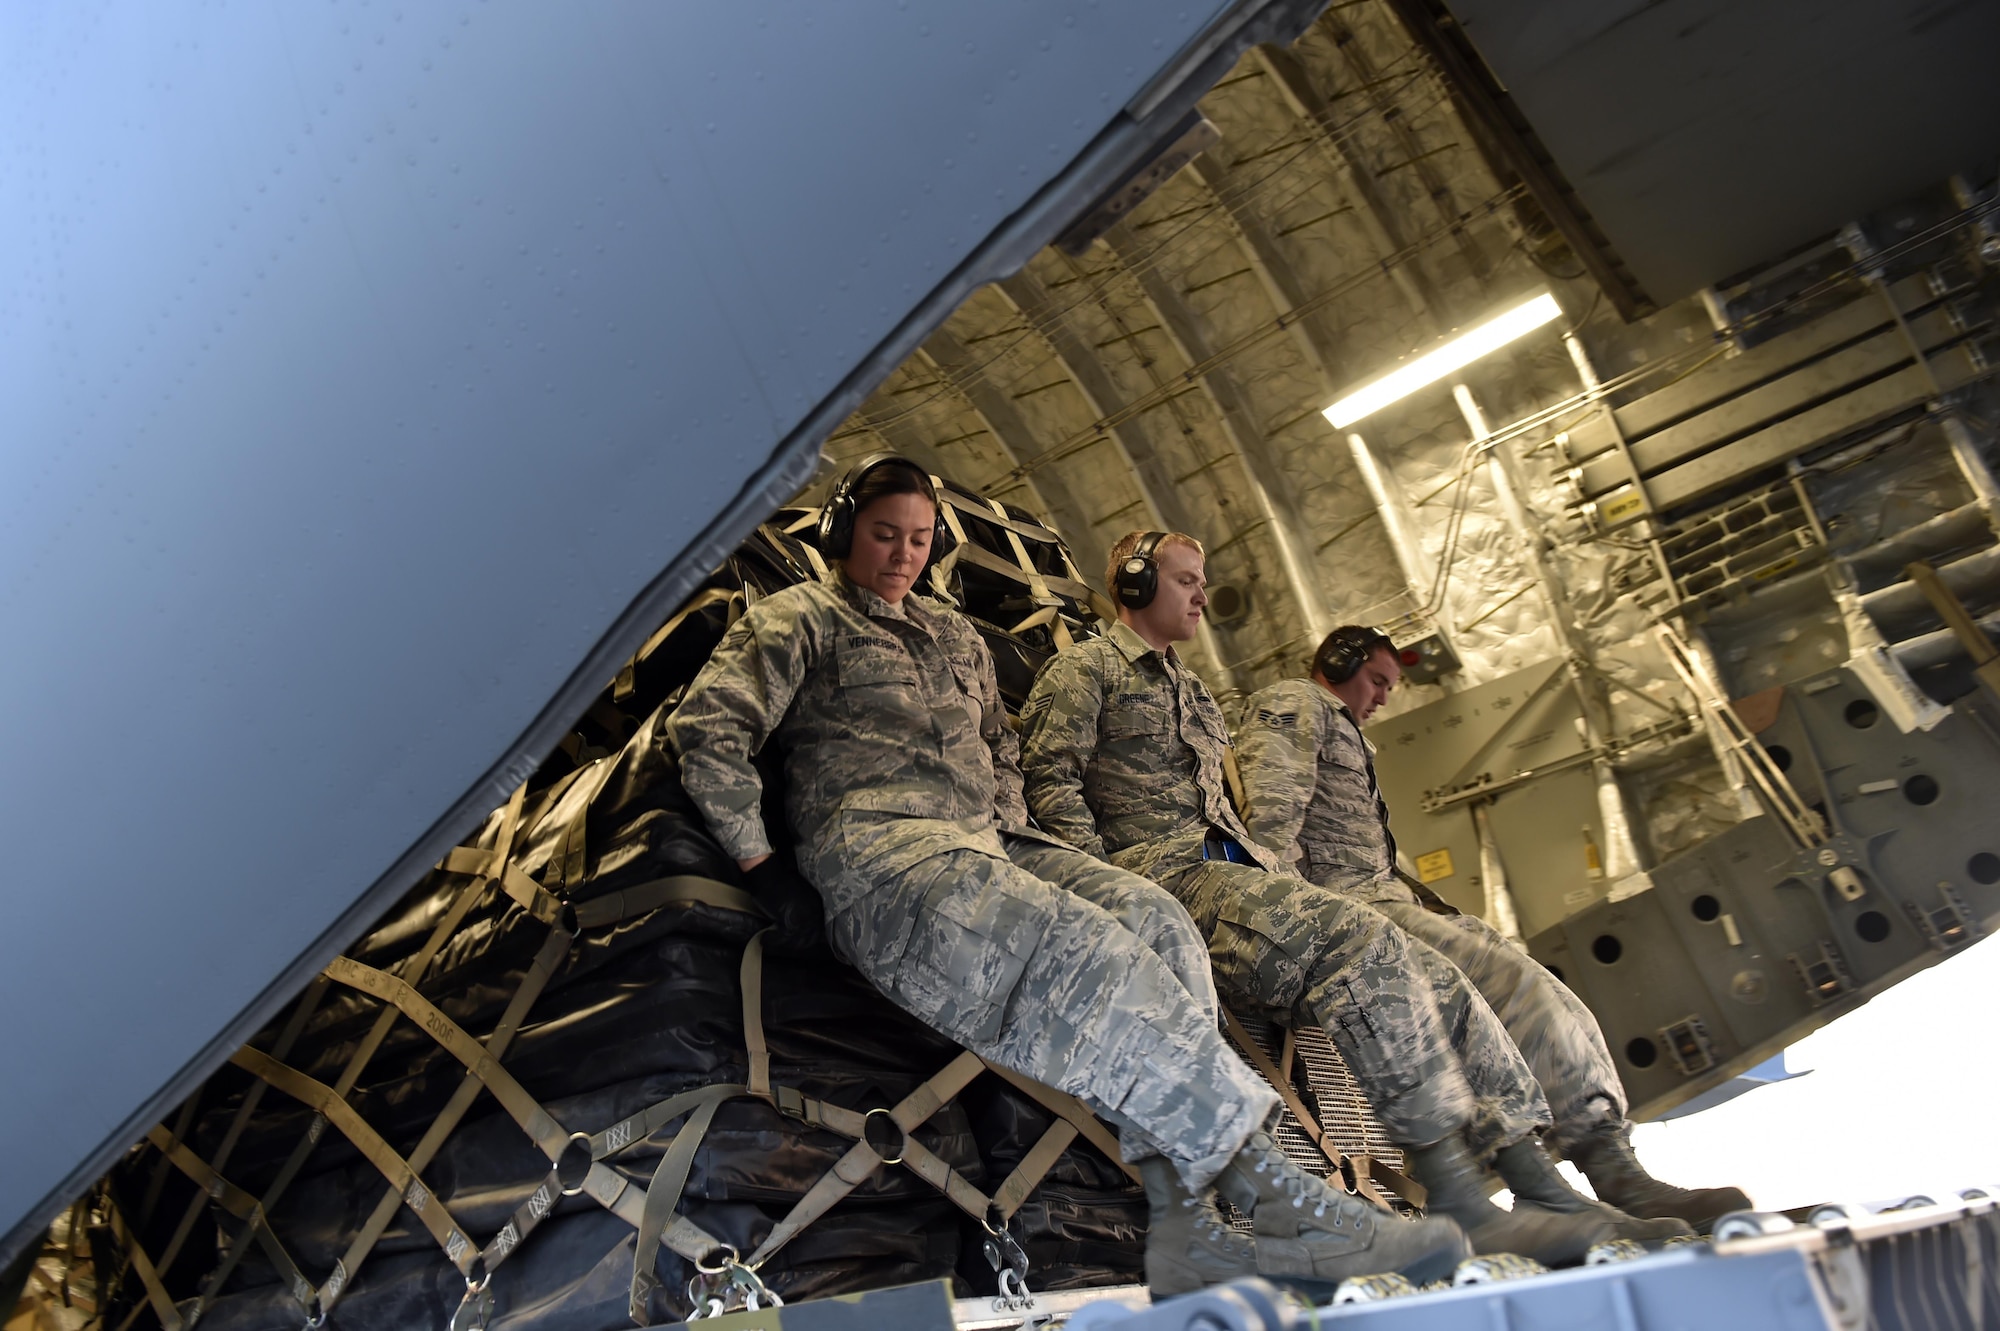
x=1123 y=752
x=1315 y=800
x=905 y=800
x=878 y=708
x=1309 y=784
x=1557 y=1035
x=1421 y=1043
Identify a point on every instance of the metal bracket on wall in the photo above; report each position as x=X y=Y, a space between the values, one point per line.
x=1985 y=657
x=1803 y=822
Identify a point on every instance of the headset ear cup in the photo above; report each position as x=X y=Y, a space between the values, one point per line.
x=836 y=525
x=1137 y=581
x=1343 y=657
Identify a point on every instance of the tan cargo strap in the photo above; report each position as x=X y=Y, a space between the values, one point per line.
x=750 y=978
x=855 y=1167
x=568 y=863
x=301 y=1013
x=483 y=1070
x=440 y=934
x=520 y=1106
x=554 y=949
x=627 y=680
x=947 y=1083
x=163 y=1168
x=149 y=1275
x=526 y=893
x=675 y=890
x=1363 y=1182
x=1034 y=1166
x=861 y=1160
x=319 y=1097
x=1039 y=589
x=239 y=1204
x=663 y=1193
x=1073 y=1111
x=653 y=1211
x=998 y=514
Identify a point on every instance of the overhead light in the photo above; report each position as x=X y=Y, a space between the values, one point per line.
x=1432 y=366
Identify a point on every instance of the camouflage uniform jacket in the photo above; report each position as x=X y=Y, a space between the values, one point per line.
x=1124 y=753
x=887 y=716
x=1309 y=787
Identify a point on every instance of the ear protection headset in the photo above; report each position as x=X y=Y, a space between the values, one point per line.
x=1138 y=578
x=837 y=515
x=1347 y=649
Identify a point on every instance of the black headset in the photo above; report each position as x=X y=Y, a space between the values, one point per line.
x=837 y=515
x=1347 y=649
x=1138 y=578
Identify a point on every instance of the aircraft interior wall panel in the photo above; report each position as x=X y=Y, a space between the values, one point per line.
x=1545 y=833
x=1760 y=941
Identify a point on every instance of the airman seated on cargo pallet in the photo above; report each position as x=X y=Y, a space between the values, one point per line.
x=904 y=799
x=1310 y=793
x=1124 y=754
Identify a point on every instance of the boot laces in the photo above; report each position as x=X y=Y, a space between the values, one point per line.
x=1297 y=1184
x=1209 y=1224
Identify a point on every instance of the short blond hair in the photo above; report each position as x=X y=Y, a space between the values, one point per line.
x=1122 y=548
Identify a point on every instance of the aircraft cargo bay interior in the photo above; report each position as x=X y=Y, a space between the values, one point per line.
x=947 y=667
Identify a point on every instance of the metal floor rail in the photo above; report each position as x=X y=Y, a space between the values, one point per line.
x=1920 y=1268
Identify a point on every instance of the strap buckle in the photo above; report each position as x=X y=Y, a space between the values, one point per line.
x=1010 y=1265
x=793 y=1103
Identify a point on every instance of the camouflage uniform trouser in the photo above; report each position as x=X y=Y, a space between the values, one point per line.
x=1557 y=1035
x=1422 y=1044
x=1053 y=964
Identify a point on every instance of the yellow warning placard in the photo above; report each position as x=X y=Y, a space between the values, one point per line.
x=1434 y=866
x=1626 y=504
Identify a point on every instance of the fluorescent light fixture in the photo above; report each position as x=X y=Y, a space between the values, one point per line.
x=1432 y=366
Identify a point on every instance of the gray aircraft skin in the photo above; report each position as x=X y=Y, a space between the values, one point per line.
x=375 y=376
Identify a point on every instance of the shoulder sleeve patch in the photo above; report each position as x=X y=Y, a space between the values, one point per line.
x=1277 y=720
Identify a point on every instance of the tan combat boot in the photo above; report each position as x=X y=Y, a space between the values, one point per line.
x=1189 y=1246
x=1314 y=1236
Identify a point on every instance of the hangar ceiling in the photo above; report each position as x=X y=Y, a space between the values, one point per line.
x=1359 y=204
x=1174 y=373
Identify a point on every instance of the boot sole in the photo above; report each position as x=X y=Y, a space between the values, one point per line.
x=1438 y=1266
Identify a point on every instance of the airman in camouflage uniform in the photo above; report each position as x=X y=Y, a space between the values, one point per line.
x=904 y=800
x=1309 y=784
x=1124 y=755
x=1310 y=791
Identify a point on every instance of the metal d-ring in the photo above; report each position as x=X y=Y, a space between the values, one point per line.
x=577 y=1141
x=901 y=1135
x=734 y=1259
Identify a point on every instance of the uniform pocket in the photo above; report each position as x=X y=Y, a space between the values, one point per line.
x=1133 y=721
x=869 y=661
